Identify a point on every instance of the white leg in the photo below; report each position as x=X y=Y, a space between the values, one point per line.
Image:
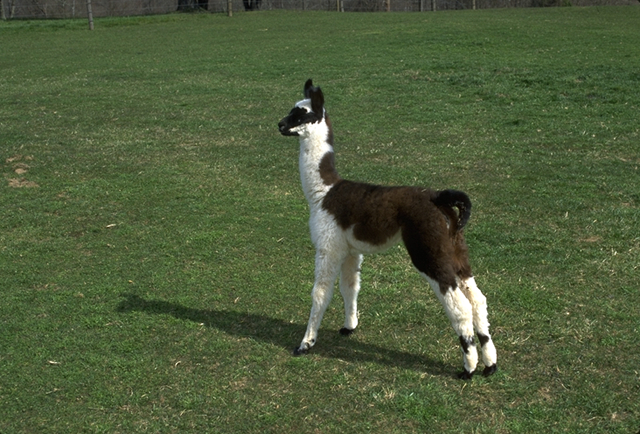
x=481 y=324
x=349 y=288
x=326 y=273
x=459 y=311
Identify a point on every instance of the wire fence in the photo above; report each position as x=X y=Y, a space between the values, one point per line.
x=47 y=9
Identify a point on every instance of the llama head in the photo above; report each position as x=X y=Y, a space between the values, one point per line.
x=305 y=113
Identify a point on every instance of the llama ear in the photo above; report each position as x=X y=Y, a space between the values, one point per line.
x=308 y=85
x=317 y=101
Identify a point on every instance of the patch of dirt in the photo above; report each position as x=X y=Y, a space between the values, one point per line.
x=20 y=168
x=21 y=182
x=19 y=157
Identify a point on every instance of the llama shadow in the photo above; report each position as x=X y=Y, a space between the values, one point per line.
x=285 y=335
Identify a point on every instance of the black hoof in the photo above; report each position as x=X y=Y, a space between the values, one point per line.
x=345 y=331
x=490 y=370
x=465 y=375
x=300 y=351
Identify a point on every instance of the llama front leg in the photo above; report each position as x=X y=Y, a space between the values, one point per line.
x=325 y=277
x=349 y=288
x=481 y=324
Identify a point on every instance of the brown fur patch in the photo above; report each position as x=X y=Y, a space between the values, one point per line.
x=327 y=169
x=377 y=213
x=371 y=209
x=330 y=134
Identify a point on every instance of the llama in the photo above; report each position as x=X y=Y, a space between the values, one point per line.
x=349 y=219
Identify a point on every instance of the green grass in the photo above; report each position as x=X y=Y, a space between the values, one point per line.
x=155 y=263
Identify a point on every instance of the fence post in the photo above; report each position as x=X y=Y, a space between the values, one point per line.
x=90 y=14
x=230 y=8
x=433 y=5
x=4 y=15
x=388 y=5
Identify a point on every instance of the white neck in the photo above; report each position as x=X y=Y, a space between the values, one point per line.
x=314 y=146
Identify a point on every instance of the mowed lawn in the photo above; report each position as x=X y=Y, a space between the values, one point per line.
x=155 y=262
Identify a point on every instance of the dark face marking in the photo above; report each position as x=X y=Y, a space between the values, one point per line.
x=296 y=117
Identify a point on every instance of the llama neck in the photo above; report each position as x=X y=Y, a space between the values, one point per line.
x=317 y=168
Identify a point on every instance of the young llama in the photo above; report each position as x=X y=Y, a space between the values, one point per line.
x=349 y=219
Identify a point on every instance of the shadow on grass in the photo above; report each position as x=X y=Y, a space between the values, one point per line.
x=283 y=334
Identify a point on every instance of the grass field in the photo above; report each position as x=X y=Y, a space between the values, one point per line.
x=155 y=263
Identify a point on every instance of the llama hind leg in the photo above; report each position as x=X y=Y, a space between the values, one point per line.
x=481 y=324
x=459 y=312
x=349 y=288
x=325 y=277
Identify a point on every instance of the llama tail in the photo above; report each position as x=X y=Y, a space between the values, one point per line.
x=449 y=199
